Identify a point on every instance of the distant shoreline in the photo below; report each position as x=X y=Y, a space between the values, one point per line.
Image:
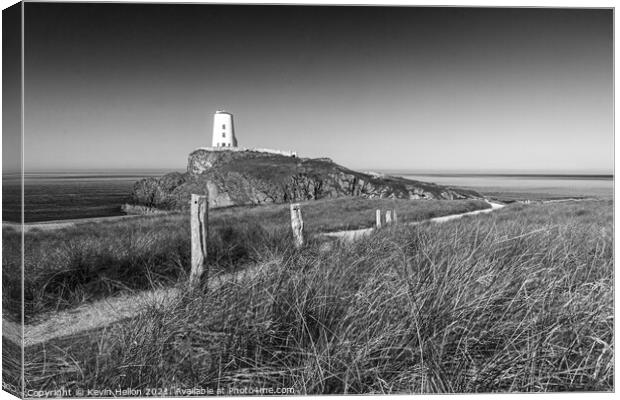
x=65 y=223
x=146 y=173
x=488 y=175
x=82 y=197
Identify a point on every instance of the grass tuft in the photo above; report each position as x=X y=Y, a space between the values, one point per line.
x=516 y=300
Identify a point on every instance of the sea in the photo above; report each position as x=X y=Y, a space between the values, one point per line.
x=65 y=196
x=526 y=186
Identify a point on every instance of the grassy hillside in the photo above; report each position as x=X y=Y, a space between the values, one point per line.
x=70 y=266
x=255 y=178
x=516 y=300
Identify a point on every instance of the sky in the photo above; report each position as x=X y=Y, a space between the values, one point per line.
x=11 y=89
x=135 y=86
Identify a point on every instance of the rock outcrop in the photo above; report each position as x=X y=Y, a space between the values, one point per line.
x=252 y=178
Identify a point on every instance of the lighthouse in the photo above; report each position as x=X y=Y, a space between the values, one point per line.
x=223 y=130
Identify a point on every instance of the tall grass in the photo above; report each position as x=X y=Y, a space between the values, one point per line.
x=12 y=367
x=67 y=267
x=517 y=300
x=349 y=213
x=74 y=265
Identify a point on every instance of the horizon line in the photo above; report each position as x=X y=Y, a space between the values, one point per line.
x=400 y=171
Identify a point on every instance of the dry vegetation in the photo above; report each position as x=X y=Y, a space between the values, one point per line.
x=70 y=266
x=516 y=300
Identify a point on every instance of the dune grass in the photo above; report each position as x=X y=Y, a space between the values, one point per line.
x=348 y=213
x=72 y=265
x=67 y=267
x=516 y=300
x=11 y=367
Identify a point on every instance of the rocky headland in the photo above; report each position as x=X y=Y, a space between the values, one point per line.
x=253 y=177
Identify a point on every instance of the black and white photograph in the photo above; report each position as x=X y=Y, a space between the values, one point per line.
x=218 y=199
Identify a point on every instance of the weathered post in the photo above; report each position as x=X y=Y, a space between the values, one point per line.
x=388 y=217
x=378 y=219
x=199 y=229
x=297 y=223
x=394 y=217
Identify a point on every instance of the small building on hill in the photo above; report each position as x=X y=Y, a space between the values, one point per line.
x=223 y=130
x=224 y=138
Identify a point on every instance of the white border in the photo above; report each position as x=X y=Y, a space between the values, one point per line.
x=457 y=3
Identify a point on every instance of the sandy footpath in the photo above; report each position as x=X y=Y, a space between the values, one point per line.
x=65 y=223
x=357 y=233
x=51 y=225
x=104 y=312
x=113 y=309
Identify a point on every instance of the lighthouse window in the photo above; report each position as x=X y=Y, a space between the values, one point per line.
x=223 y=126
x=223 y=134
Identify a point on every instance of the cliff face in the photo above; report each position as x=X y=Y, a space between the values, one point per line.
x=246 y=178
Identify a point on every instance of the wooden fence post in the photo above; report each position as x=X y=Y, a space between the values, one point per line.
x=394 y=216
x=199 y=228
x=297 y=223
x=388 y=217
x=378 y=219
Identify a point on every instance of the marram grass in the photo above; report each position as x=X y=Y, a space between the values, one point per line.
x=67 y=267
x=517 y=300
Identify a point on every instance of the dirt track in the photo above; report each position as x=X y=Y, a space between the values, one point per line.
x=105 y=312
x=356 y=234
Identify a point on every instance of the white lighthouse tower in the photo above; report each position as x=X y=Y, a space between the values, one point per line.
x=223 y=130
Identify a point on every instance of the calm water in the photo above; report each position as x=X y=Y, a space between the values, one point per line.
x=527 y=186
x=65 y=196
x=68 y=196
